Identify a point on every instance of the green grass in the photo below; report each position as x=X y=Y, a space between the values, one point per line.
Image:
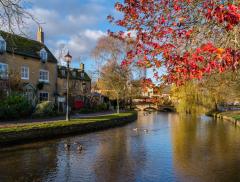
x=232 y=114
x=55 y=124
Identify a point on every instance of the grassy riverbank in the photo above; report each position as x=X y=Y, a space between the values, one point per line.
x=232 y=116
x=28 y=131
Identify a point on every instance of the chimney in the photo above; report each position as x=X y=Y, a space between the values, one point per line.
x=40 y=35
x=81 y=67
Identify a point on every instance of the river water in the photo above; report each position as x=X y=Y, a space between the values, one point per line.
x=181 y=149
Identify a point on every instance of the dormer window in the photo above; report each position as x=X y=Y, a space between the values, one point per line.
x=43 y=55
x=63 y=73
x=82 y=74
x=3 y=45
x=74 y=74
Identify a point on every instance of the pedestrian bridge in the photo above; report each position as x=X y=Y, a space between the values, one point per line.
x=156 y=107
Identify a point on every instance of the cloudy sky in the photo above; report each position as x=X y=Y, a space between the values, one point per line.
x=76 y=23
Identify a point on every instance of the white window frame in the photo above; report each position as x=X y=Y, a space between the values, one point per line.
x=23 y=76
x=82 y=74
x=4 y=75
x=63 y=72
x=43 y=92
x=3 y=45
x=43 y=80
x=43 y=55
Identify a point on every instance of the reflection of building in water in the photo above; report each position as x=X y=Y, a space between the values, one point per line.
x=205 y=151
x=32 y=163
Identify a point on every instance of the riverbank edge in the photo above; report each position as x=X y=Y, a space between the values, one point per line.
x=38 y=134
x=222 y=116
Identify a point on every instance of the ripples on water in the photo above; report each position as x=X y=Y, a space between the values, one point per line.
x=174 y=149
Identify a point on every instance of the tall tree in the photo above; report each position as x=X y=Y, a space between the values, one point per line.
x=190 y=38
x=207 y=94
x=13 y=15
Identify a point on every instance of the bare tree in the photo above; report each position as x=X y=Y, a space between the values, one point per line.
x=13 y=15
x=62 y=50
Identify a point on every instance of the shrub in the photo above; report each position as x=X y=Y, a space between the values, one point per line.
x=102 y=107
x=46 y=108
x=15 y=106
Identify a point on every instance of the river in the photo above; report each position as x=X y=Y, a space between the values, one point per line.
x=173 y=149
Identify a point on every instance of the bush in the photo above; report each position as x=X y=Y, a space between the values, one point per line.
x=102 y=107
x=46 y=108
x=15 y=106
x=97 y=108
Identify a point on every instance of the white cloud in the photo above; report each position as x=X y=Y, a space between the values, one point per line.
x=75 y=24
x=94 y=34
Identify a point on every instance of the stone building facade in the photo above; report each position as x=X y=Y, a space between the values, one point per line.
x=79 y=83
x=30 y=61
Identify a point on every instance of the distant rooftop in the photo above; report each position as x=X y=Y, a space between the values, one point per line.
x=26 y=47
x=75 y=74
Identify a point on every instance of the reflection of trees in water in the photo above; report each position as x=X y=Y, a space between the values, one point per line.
x=205 y=150
x=28 y=164
x=119 y=158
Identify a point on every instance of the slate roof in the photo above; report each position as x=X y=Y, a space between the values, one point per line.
x=26 y=47
x=62 y=73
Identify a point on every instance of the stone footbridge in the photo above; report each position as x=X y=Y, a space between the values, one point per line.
x=156 y=107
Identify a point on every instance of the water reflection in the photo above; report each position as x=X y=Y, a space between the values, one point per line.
x=174 y=149
x=205 y=150
x=28 y=163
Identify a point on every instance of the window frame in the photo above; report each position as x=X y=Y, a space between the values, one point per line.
x=3 y=44
x=6 y=74
x=41 y=80
x=24 y=67
x=43 y=92
x=43 y=55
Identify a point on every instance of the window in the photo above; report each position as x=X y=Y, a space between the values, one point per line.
x=63 y=73
x=44 y=76
x=82 y=74
x=28 y=94
x=3 y=71
x=43 y=55
x=3 y=45
x=74 y=74
x=43 y=96
x=25 y=72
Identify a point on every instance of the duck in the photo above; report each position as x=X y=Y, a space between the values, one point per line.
x=79 y=148
x=135 y=129
x=145 y=130
x=67 y=146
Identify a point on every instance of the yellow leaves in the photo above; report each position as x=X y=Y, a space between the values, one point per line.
x=220 y=52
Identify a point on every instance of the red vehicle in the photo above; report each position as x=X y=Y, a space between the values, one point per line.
x=78 y=104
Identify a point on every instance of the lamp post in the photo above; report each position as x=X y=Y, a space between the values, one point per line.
x=68 y=59
x=83 y=92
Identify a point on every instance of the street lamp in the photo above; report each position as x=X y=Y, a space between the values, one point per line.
x=68 y=59
x=84 y=91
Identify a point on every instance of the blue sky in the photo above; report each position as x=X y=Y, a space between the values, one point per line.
x=77 y=24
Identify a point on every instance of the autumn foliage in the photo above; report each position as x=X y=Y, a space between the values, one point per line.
x=188 y=38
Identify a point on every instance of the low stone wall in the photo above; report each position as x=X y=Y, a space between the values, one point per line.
x=227 y=118
x=11 y=138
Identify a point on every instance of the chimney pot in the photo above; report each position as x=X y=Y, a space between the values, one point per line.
x=40 y=35
x=81 y=67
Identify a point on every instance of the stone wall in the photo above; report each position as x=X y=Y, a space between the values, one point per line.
x=7 y=138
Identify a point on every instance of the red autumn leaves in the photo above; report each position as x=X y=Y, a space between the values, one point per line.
x=228 y=15
x=165 y=31
x=205 y=60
